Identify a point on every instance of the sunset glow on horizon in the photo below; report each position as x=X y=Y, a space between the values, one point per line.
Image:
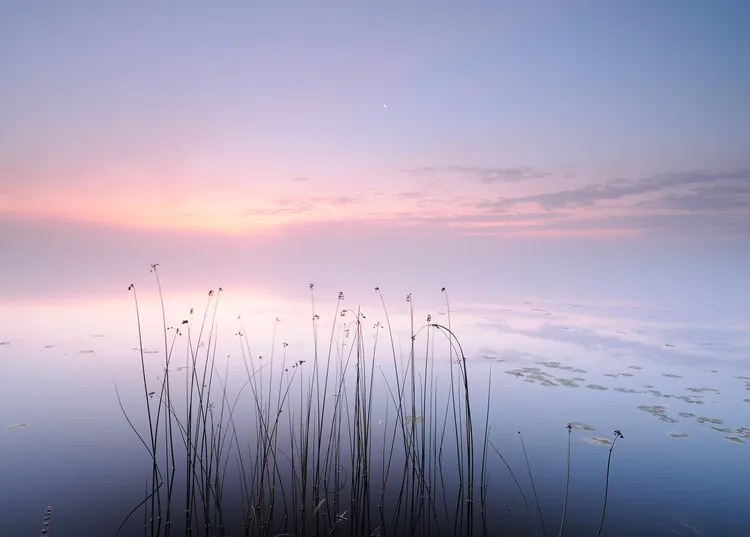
x=309 y=129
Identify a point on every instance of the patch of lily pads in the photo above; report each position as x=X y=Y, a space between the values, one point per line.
x=556 y=365
x=579 y=426
x=620 y=389
x=703 y=390
x=658 y=411
x=16 y=426
x=597 y=441
x=704 y=419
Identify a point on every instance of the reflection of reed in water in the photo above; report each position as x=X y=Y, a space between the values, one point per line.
x=46 y=520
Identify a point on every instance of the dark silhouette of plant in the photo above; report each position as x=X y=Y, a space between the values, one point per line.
x=569 y=427
x=618 y=434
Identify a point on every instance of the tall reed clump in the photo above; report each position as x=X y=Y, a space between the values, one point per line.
x=359 y=436
x=355 y=438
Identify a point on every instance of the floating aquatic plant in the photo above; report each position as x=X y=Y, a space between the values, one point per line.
x=679 y=435
x=704 y=419
x=568 y=383
x=658 y=411
x=703 y=390
x=626 y=390
x=597 y=441
x=19 y=425
x=578 y=426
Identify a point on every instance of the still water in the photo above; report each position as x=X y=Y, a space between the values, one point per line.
x=675 y=382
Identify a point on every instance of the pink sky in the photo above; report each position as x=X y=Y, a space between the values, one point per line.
x=549 y=132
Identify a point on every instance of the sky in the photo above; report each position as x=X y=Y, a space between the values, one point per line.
x=532 y=146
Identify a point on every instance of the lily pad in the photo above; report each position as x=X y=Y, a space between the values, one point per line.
x=735 y=439
x=653 y=409
x=715 y=421
x=691 y=399
x=679 y=435
x=703 y=390
x=19 y=425
x=579 y=426
x=687 y=414
x=626 y=390
x=597 y=441
x=659 y=412
x=596 y=387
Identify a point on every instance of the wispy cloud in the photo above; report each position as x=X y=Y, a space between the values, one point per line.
x=486 y=175
x=720 y=183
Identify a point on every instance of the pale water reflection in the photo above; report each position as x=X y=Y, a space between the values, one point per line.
x=676 y=384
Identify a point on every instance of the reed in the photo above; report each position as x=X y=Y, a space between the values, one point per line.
x=569 y=427
x=349 y=440
x=617 y=434
x=533 y=485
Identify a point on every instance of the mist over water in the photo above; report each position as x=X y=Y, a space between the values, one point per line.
x=674 y=381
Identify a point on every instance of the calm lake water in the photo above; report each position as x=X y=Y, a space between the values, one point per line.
x=676 y=382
